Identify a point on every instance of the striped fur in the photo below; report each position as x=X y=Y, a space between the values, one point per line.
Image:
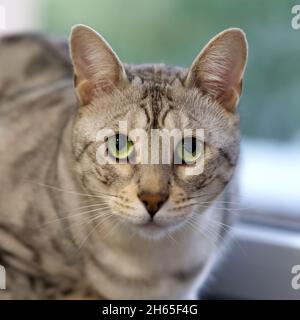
x=48 y=168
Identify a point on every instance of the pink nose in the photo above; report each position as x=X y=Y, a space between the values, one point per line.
x=153 y=201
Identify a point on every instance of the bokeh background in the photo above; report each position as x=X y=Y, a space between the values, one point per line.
x=173 y=31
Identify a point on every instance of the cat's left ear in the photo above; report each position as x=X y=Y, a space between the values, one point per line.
x=97 y=68
x=219 y=68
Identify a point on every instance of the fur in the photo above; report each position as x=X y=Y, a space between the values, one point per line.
x=71 y=228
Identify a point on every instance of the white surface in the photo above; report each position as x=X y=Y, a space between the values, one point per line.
x=257 y=265
x=270 y=176
x=18 y=15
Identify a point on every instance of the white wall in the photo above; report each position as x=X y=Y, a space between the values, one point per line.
x=18 y=15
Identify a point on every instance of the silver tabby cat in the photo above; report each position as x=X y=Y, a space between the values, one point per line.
x=71 y=227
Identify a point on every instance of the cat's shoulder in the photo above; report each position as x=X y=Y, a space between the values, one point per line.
x=31 y=60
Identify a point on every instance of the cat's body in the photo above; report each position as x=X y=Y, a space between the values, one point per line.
x=47 y=255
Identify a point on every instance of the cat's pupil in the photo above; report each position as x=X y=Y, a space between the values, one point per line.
x=121 y=142
x=117 y=142
x=190 y=145
x=194 y=146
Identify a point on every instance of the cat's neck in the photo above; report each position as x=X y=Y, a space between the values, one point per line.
x=124 y=254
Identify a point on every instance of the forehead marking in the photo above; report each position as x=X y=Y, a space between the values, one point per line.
x=163 y=118
x=143 y=106
x=156 y=102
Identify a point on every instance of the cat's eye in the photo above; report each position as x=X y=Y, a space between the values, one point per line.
x=188 y=150
x=120 y=146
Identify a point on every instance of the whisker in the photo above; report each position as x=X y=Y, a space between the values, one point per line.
x=118 y=223
x=72 y=216
x=204 y=195
x=196 y=228
x=99 y=194
x=87 y=220
x=169 y=235
x=235 y=241
x=221 y=237
x=91 y=231
x=132 y=235
x=222 y=208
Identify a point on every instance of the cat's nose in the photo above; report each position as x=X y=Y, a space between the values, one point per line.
x=153 y=201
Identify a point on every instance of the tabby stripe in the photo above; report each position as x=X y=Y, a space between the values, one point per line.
x=180 y=275
x=78 y=158
x=227 y=157
x=171 y=107
x=143 y=106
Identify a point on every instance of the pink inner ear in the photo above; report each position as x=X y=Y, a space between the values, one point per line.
x=85 y=92
x=97 y=67
x=222 y=80
x=218 y=70
x=223 y=58
x=83 y=64
x=229 y=100
x=219 y=67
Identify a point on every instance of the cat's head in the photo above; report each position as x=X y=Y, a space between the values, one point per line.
x=156 y=198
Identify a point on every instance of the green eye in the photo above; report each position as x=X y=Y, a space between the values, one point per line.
x=188 y=150
x=119 y=146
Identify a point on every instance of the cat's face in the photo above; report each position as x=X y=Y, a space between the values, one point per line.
x=157 y=198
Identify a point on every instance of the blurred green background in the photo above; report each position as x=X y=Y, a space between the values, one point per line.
x=173 y=31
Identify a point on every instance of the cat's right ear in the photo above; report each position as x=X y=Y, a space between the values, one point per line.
x=96 y=66
x=219 y=68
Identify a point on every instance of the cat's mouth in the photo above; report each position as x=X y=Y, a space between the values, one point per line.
x=154 y=230
x=160 y=226
x=158 y=223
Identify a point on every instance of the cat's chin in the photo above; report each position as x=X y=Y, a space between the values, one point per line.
x=153 y=231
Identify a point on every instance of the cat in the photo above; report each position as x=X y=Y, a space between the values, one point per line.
x=73 y=228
